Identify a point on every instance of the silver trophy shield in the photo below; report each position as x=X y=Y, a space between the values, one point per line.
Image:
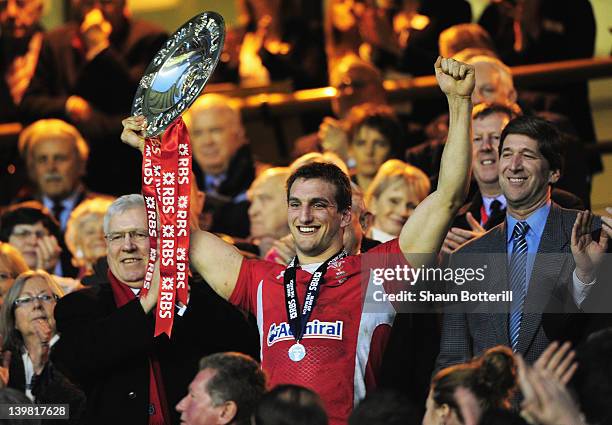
x=179 y=71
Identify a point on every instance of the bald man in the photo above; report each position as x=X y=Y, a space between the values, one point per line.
x=223 y=163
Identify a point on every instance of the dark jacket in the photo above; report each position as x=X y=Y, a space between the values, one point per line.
x=227 y=204
x=108 y=83
x=50 y=387
x=106 y=349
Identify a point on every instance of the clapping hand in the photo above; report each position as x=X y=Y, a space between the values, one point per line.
x=546 y=400
x=558 y=360
x=587 y=252
x=457 y=236
x=47 y=253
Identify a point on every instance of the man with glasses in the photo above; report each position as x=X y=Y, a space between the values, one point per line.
x=107 y=344
x=88 y=72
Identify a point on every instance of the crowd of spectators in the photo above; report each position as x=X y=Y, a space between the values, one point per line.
x=493 y=174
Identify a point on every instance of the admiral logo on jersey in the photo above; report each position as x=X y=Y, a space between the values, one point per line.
x=314 y=329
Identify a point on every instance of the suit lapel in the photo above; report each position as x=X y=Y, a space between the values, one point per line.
x=498 y=270
x=546 y=271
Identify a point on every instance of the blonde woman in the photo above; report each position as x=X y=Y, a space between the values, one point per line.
x=392 y=197
x=27 y=325
x=85 y=235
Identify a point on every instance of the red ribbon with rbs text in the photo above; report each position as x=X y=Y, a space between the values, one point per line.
x=166 y=174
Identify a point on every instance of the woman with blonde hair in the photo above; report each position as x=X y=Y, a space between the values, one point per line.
x=28 y=330
x=392 y=197
x=12 y=265
x=85 y=235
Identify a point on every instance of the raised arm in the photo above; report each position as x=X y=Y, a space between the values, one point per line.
x=426 y=228
x=216 y=260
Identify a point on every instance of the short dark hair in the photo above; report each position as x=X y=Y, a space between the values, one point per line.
x=329 y=173
x=483 y=110
x=381 y=118
x=237 y=378
x=290 y=405
x=30 y=212
x=550 y=141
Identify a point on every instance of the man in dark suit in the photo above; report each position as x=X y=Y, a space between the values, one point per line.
x=530 y=162
x=56 y=155
x=87 y=74
x=107 y=344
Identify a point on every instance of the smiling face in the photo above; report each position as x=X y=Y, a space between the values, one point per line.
x=128 y=255
x=525 y=175
x=370 y=149
x=393 y=207
x=27 y=315
x=486 y=133
x=314 y=220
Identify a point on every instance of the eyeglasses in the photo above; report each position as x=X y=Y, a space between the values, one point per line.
x=43 y=298
x=135 y=236
x=26 y=233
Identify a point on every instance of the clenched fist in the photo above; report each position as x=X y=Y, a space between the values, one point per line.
x=456 y=79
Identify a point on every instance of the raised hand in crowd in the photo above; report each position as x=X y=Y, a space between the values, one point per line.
x=558 y=361
x=334 y=137
x=457 y=236
x=48 y=252
x=546 y=400
x=588 y=253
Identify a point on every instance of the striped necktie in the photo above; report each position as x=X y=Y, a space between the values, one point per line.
x=518 y=285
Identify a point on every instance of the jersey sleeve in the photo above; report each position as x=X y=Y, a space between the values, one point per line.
x=245 y=292
x=388 y=254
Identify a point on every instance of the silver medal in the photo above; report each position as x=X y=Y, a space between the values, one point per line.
x=297 y=352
